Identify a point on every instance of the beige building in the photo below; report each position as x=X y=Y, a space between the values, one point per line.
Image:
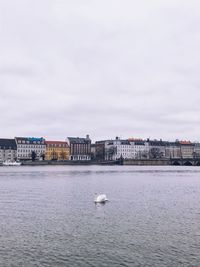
x=187 y=149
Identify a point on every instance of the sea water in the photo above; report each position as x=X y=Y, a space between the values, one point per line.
x=48 y=216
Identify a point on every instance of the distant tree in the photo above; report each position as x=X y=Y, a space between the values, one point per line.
x=62 y=155
x=155 y=153
x=144 y=155
x=92 y=156
x=43 y=156
x=54 y=155
x=33 y=155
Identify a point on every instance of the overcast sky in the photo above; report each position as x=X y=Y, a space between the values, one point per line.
x=105 y=68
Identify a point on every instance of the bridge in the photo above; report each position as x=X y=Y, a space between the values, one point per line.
x=185 y=162
x=163 y=161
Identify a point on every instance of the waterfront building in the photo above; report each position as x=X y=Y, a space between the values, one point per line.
x=93 y=151
x=156 y=149
x=56 y=150
x=100 y=150
x=139 y=148
x=173 y=150
x=80 y=148
x=196 y=150
x=187 y=149
x=117 y=148
x=145 y=149
x=112 y=149
x=26 y=146
x=8 y=150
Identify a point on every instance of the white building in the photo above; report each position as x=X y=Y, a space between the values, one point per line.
x=8 y=150
x=26 y=146
x=126 y=149
x=139 y=149
x=187 y=149
x=115 y=149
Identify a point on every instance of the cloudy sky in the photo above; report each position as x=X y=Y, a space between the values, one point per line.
x=104 y=67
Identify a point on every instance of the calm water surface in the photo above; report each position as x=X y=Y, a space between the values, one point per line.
x=48 y=218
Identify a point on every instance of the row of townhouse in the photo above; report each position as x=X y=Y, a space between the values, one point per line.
x=145 y=149
x=32 y=148
x=81 y=149
x=117 y=148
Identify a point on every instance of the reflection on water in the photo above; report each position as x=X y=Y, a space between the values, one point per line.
x=48 y=216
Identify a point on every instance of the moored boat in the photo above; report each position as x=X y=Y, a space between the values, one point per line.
x=11 y=163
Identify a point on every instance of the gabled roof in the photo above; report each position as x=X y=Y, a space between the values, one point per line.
x=135 y=139
x=78 y=140
x=156 y=142
x=8 y=144
x=30 y=140
x=185 y=142
x=57 y=143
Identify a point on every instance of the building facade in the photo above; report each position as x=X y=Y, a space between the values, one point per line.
x=57 y=150
x=196 y=150
x=187 y=149
x=112 y=149
x=80 y=148
x=139 y=148
x=173 y=150
x=8 y=150
x=27 y=146
x=100 y=150
x=117 y=148
x=156 y=149
x=93 y=152
x=146 y=149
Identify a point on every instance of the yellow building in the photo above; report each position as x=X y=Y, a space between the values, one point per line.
x=57 y=150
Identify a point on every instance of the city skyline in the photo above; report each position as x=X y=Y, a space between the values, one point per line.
x=116 y=137
x=108 y=68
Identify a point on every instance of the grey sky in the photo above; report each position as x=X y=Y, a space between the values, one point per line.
x=106 y=67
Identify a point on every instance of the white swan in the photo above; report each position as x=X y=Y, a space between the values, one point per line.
x=100 y=198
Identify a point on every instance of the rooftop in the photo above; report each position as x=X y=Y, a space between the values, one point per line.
x=79 y=140
x=30 y=140
x=8 y=144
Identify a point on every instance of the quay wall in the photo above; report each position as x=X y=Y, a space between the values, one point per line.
x=126 y=162
x=147 y=162
x=67 y=162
